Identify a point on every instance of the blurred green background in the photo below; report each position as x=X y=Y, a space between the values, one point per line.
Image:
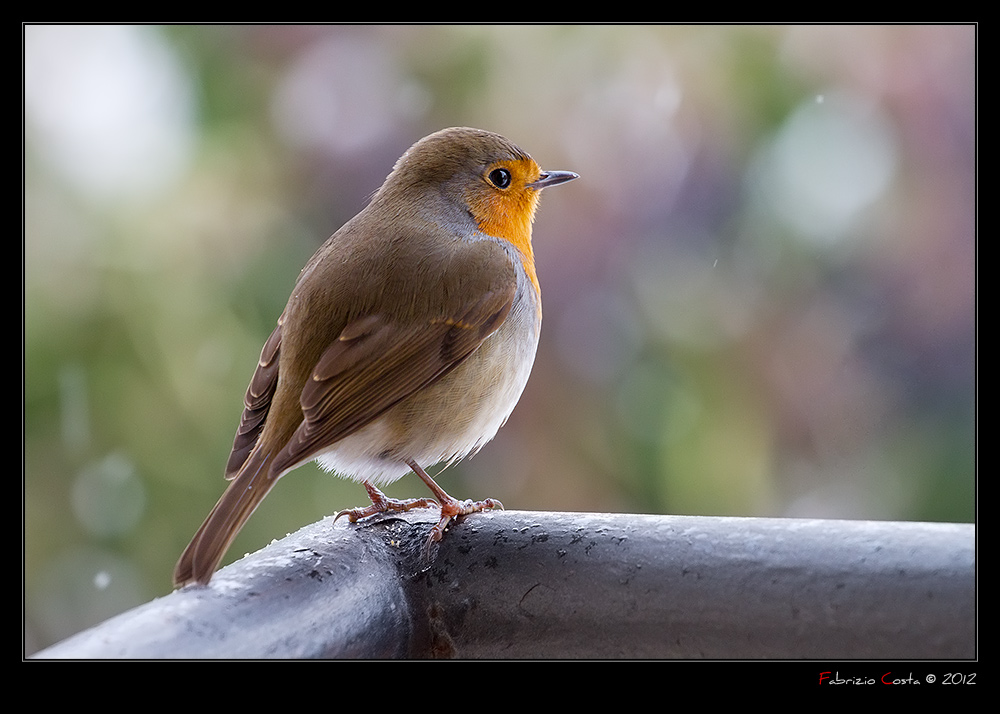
x=759 y=296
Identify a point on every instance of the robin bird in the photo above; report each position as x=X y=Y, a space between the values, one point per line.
x=406 y=342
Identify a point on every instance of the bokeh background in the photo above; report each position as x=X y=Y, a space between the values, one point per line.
x=759 y=296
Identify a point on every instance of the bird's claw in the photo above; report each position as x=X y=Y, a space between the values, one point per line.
x=383 y=504
x=453 y=508
x=450 y=508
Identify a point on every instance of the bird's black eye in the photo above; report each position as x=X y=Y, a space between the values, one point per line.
x=500 y=178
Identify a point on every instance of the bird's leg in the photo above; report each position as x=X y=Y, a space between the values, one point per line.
x=382 y=504
x=450 y=507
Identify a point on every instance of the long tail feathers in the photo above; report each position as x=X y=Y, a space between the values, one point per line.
x=202 y=556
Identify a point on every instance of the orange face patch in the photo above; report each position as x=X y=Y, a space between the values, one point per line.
x=504 y=206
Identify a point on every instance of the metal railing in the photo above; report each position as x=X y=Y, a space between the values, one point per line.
x=517 y=584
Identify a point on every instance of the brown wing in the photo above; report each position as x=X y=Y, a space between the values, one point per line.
x=372 y=366
x=375 y=363
x=256 y=402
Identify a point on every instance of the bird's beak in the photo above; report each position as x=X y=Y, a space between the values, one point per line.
x=552 y=178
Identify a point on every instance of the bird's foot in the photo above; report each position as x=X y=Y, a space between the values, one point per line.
x=383 y=504
x=452 y=507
